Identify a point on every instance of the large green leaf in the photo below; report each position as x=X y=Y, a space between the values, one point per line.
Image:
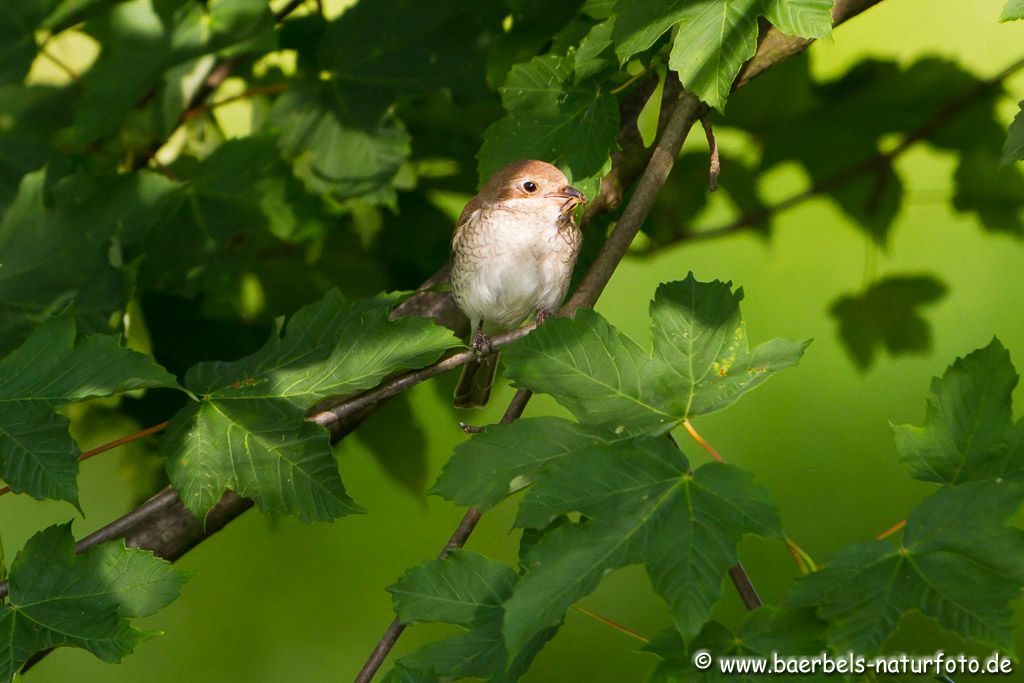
x=701 y=361
x=572 y=126
x=956 y=562
x=464 y=589
x=37 y=454
x=62 y=246
x=331 y=156
x=59 y=599
x=640 y=504
x=969 y=433
x=713 y=37
x=248 y=432
x=485 y=469
x=886 y=315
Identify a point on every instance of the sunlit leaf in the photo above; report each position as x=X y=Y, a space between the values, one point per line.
x=1014 y=9
x=701 y=361
x=60 y=599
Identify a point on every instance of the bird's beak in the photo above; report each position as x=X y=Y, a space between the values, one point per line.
x=568 y=192
x=572 y=197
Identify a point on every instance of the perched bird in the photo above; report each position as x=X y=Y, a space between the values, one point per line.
x=513 y=253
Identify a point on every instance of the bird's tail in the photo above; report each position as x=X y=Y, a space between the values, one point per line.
x=474 y=387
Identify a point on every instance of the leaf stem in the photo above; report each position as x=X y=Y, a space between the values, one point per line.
x=614 y=624
x=891 y=530
x=700 y=439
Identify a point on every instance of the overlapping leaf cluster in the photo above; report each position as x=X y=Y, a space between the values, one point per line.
x=637 y=499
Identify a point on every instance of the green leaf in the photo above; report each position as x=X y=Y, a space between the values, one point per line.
x=37 y=454
x=787 y=632
x=488 y=467
x=956 y=563
x=465 y=589
x=548 y=118
x=62 y=246
x=1014 y=9
x=454 y=590
x=19 y=20
x=58 y=598
x=249 y=433
x=969 y=434
x=594 y=53
x=638 y=23
x=701 y=361
x=640 y=504
x=378 y=53
x=647 y=119
x=714 y=37
x=886 y=315
x=332 y=157
x=1013 y=149
x=595 y=371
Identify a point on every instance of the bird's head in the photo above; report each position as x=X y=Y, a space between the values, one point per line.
x=532 y=182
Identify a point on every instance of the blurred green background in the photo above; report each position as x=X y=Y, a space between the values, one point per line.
x=274 y=600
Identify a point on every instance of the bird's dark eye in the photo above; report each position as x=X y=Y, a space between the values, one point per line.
x=530 y=186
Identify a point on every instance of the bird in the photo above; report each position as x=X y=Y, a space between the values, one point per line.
x=513 y=252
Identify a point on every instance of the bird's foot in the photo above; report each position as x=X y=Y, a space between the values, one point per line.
x=543 y=314
x=481 y=343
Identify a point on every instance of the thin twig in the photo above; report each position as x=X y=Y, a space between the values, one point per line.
x=715 y=161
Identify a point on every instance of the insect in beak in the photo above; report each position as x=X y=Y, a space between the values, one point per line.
x=572 y=197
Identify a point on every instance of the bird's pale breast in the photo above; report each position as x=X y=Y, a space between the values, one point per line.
x=510 y=260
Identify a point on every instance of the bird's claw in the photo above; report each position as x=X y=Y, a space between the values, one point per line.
x=470 y=429
x=481 y=343
x=543 y=314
